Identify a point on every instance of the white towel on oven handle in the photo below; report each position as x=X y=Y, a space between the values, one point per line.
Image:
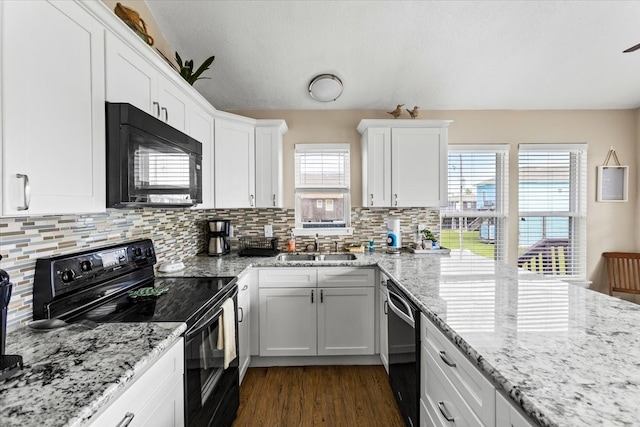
x=227 y=332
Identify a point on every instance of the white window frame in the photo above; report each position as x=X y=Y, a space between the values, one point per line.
x=344 y=189
x=577 y=212
x=502 y=192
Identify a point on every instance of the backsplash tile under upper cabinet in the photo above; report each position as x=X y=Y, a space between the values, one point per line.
x=176 y=233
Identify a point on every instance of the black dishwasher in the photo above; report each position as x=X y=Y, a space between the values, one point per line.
x=404 y=355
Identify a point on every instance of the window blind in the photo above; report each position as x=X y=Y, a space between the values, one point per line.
x=322 y=166
x=552 y=188
x=475 y=217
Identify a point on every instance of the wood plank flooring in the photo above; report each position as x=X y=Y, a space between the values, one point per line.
x=331 y=396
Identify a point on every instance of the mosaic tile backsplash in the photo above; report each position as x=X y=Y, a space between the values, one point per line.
x=176 y=233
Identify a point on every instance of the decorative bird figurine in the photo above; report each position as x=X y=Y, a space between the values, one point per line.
x=414 y=113
x=396 y=113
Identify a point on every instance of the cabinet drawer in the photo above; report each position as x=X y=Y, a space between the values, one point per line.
x=163 y=377
x=287 y=278
x=444 y=405
x=346 y=277
x=474 y=388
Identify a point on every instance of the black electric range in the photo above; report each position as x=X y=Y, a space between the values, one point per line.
x=97 y=284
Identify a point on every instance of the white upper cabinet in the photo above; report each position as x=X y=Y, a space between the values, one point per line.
x=132 y=78
x=200 y=125
x=269 y=184
x=234 y=168
x=53 y=129
x=376 y=167
x=404 y=163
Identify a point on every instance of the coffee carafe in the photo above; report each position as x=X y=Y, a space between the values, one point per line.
x=218 y=231
x=8 y=364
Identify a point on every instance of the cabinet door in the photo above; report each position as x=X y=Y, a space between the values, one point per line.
x=346 y=321
x=244 y=326
x=419 y=167
x=268 y=167
x=173 y=104
x=129 y=77
x=288 y=321
x=384 y=329
x=201 y=128
x=234 y=165
x=376 y=167
x=507 y=415
x=53 y=108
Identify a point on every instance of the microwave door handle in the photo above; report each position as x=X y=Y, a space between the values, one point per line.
x=407 y=319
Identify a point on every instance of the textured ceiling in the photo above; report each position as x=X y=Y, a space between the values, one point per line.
x=434 y=54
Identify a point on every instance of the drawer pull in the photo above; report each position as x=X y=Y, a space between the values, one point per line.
x=445 y=413
x=128 y=417
x=241 y=313
x=446 y=360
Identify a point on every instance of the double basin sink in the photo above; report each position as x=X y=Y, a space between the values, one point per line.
x=315 y=257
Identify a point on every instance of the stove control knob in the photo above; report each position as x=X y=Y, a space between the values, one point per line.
x=137 y=251
x=86 y=265
x=68 y=276
x=149 y=253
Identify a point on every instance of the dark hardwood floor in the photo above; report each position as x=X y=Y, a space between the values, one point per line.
x=330 y=396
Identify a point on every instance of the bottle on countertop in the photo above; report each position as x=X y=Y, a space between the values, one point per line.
x=371 y=245
x=291 y=245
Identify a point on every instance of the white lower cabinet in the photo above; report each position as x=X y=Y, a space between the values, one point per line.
x=300 y=318
x=244 y=325
x=155 y=399
x=507 y=415
x=288 y=322
x=452 y=390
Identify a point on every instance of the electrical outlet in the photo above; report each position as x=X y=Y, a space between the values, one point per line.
x=268 y=230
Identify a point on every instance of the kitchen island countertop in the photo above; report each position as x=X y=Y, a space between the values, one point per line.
x=566 y=355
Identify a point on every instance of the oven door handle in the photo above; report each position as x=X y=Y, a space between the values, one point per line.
x=206 y=321
x=406 y=318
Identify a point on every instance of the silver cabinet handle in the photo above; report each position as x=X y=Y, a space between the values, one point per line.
x=128 y=417
x=445 y=413
x=312 y=296
x=274 y=200
x=26 y=190
x=251 y=198
x=155 y=104
x=241 y=314
x=166 y=114
x=446 y=360
x=395 y=196
x=386 y=307
x=371 y=195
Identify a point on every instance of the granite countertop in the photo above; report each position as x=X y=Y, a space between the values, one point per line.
x=72 y=372
x=566 y=355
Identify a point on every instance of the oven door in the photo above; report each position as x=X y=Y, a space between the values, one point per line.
x=212 y=393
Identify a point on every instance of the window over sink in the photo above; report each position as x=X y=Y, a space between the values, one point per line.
x=323 y=189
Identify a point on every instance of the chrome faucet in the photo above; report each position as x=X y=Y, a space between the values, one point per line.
x=315 y=243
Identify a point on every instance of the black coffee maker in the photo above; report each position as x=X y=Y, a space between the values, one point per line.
x=9 y=364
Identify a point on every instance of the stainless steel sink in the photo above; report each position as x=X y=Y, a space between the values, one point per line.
x=315 y=257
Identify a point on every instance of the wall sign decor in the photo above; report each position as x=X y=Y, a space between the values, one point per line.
x=613 y=181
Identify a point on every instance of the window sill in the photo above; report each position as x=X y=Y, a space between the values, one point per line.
x=348 y=231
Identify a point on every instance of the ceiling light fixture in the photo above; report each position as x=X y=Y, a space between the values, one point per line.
x=325 y=88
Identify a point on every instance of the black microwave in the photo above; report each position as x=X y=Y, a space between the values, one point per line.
x=150 y=163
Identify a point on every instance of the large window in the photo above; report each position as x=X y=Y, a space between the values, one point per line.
x=322 y=188
x=475 y=218
x=552 y=209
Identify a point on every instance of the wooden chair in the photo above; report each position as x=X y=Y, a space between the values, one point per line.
x=623 y=272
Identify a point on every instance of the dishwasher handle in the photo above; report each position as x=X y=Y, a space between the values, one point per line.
x=407 y=318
